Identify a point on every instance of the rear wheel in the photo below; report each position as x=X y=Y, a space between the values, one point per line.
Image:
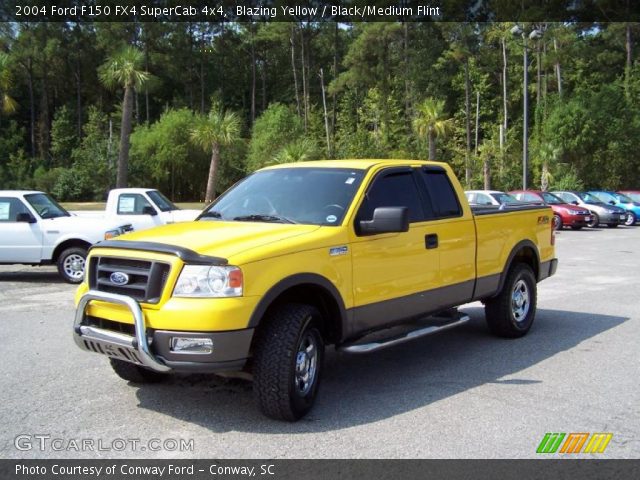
x=71 y=264
x=595 y=221
x=511 y=313
x=135 y=373
x=288 y=362
x=557 y=222
x=631 y=219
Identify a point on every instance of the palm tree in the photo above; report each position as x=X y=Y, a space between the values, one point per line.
x=548 y=155
x=213 y=131
x=297 y=151
x=7 y=104
x=124 y=69
x=431 y=123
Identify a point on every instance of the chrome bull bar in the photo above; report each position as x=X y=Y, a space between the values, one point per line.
x=115 y=344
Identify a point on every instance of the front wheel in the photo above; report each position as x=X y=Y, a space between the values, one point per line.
x=510 y=314
x=71 y=264
x=595 y=221
x=631 y=219
x=135 y=373
x=557 y=222
x=288 y=360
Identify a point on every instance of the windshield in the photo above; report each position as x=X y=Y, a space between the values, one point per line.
x=163 y=203
x=505 y=198
x=551 y=199
x=589 y=198
x=317 y=196
x=46 y=206
x=633 y=196
x=623 y=198
x=605 y=197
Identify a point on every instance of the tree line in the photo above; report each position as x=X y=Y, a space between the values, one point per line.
x=192 y=107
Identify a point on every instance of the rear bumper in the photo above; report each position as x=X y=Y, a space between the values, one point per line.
x=547 y=269
x=152 y=348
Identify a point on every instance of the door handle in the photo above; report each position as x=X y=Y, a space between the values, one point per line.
x=431 y=240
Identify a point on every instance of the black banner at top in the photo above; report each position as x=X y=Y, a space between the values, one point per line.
x=343 y=11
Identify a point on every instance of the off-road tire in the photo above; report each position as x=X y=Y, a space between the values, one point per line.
x=275 y=381
x=134 y=373
x=499 y=311
x=64 y=268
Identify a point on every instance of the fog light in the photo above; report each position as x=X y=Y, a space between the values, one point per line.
x=191 y=345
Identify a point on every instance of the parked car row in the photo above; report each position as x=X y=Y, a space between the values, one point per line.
x=571 y=208
x=36 y=230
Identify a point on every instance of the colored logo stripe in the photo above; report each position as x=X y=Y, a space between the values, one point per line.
x=574 y=442
x=598 y=442
x=550 y=443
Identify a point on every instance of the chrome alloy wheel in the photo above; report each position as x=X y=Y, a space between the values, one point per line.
x=306 y=364
x=520 y=301
x=73 y=266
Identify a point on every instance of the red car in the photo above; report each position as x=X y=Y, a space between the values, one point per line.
x=564 y=214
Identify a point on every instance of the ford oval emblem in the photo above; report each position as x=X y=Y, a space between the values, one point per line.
x=119 y=278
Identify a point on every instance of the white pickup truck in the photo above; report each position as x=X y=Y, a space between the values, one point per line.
x=36 y=230
x=141 y=207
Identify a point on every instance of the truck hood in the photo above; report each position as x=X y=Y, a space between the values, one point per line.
x=218 y=238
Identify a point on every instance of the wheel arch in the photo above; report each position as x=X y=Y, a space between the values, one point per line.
x=311 y=289
x=69 y=243
x=525 y=252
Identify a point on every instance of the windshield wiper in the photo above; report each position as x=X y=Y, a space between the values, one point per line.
x=264 y=218
x=211 y=214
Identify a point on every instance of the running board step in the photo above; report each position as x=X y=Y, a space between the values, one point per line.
x=365 y=347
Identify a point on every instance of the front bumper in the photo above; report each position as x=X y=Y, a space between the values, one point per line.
x=151 y=348
x=613 y=218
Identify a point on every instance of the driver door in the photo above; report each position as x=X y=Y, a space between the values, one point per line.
x=392 y=270
x=20 y=242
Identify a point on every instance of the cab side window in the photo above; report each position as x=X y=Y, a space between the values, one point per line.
x=441 y=193
x=132 y=204
x=394 y=189
x=10 y=208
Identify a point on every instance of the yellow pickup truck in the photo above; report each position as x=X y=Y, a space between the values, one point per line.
x=359 y=254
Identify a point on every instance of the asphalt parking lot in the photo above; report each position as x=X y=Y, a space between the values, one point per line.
x=459 y=394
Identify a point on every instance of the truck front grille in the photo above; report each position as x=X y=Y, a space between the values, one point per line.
x=145 y=280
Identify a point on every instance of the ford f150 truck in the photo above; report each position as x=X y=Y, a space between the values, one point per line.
x=360 y=254
x=141 y=207
x=36 y=230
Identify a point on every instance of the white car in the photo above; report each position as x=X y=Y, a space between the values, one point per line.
x=490 y=197
x=141 y=207
x=36 y=230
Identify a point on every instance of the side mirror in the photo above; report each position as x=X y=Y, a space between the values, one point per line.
x=148 y=210
x=611 y=202
x=25 y=218
x=386 y=220
x=575 y=202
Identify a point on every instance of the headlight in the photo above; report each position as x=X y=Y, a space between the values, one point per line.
x=109 y=234
x=207 y=281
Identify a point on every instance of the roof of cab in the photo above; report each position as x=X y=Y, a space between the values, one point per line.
x=357 y=164
x=17 y=193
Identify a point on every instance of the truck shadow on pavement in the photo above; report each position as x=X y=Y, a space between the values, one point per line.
x=361 y=389
x=31 y=276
